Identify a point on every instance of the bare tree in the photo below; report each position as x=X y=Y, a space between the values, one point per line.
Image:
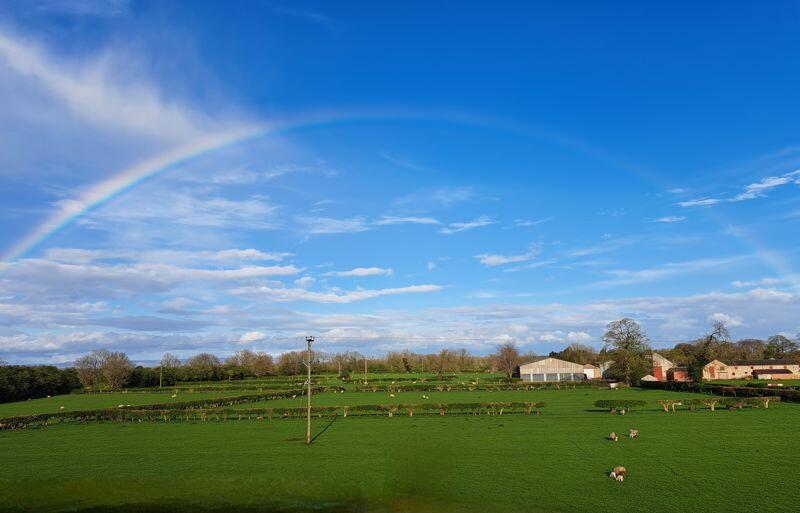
x=507 y=358
x=261 y=364
x=170 y=361
x=116 y=370
x=204 y=364
x=89 y=368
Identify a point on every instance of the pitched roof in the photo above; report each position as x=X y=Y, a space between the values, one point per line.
x=758 y=372
x=767 y=361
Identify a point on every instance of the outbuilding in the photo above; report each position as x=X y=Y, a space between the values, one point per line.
x=549 y=369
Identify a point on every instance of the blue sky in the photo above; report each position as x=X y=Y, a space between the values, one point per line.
x=422 y=176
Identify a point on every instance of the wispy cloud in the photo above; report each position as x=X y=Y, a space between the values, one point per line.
x=362 y=271
x=768 y=282
x=752 y=191
x=493 y=260
x=532 y=222
x=659 y=272
x=441 y=197
x=468 y=225
x=313 y=16
x=94 y=91
x=100 y=8
x=280 y=294
x=670 y=219
x=389 y=220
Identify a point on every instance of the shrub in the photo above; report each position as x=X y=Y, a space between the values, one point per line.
x=621 y=405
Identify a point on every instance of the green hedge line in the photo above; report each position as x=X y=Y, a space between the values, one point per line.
x=219 y=402
x=712 y=403
x=468 y=387
x=723 y=390
x=203 y=415
x=621 y=405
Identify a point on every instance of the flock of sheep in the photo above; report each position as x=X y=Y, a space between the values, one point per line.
x=619 y=472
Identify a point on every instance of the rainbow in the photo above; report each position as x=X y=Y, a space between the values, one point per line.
x=129 y=178
x=121 y=182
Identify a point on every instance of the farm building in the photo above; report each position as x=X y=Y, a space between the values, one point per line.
x=592 y=371
x=666 y=370
x=743 y=369
x=551 y=369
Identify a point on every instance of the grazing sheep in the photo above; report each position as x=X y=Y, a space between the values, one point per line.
x=391 y=395
x=618 y=473
x=613 y=436
x=120 y=405
x=174 y=396
x=60 y=407
x=634 y=433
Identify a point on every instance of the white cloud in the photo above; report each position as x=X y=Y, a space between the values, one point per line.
x=333 y=296
x=103 y=92
x=389 y=220
x=705 y=202
x=252 y=336
x=532 y=222
x=752 y=191
x=100 y=8
x=328 y=225
x=630 y=277
x=669 y=219
x=755 y=283
x=431 y=266
x=469 y=225
x=304 y=282
x=578 y=336
x=727 y=319
x=493 y=260
x=362 y=271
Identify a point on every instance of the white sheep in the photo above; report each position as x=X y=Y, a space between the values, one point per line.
x=391 y=395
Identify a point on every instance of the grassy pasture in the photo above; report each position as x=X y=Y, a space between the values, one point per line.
x=77 y=402
x=732 y=461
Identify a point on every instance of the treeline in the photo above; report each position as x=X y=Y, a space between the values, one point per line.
x=21 y=382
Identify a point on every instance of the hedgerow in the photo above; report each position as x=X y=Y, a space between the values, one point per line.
x=469 y=387
x=619 y=405
x=209 y=414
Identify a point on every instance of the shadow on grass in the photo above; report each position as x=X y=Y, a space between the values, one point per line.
x=327 y=426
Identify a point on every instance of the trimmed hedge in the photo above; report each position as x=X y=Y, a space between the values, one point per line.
x=203 y=415
x=485 y=387
x=790 y=395
x=623 y=405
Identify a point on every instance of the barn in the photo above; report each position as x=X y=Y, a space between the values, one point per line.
x=551 y=369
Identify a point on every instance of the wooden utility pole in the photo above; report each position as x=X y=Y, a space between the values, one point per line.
x=160 y=375
x=308 y=392
x=365 y=370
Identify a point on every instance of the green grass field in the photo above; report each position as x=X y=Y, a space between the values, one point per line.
x=733 y=461
x=76 y=402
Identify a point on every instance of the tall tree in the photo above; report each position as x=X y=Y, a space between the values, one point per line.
x=116 y=370
x=779 y=346
x=507 y=358
x=627 y=343
x=89 y=368
x=708 y=349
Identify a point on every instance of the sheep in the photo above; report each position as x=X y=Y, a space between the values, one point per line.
x=174 y=396
x=618 y=473
x=120 y=406
x=613 y=436
x=60 y=407
x=634 y=433
x=391 y=395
